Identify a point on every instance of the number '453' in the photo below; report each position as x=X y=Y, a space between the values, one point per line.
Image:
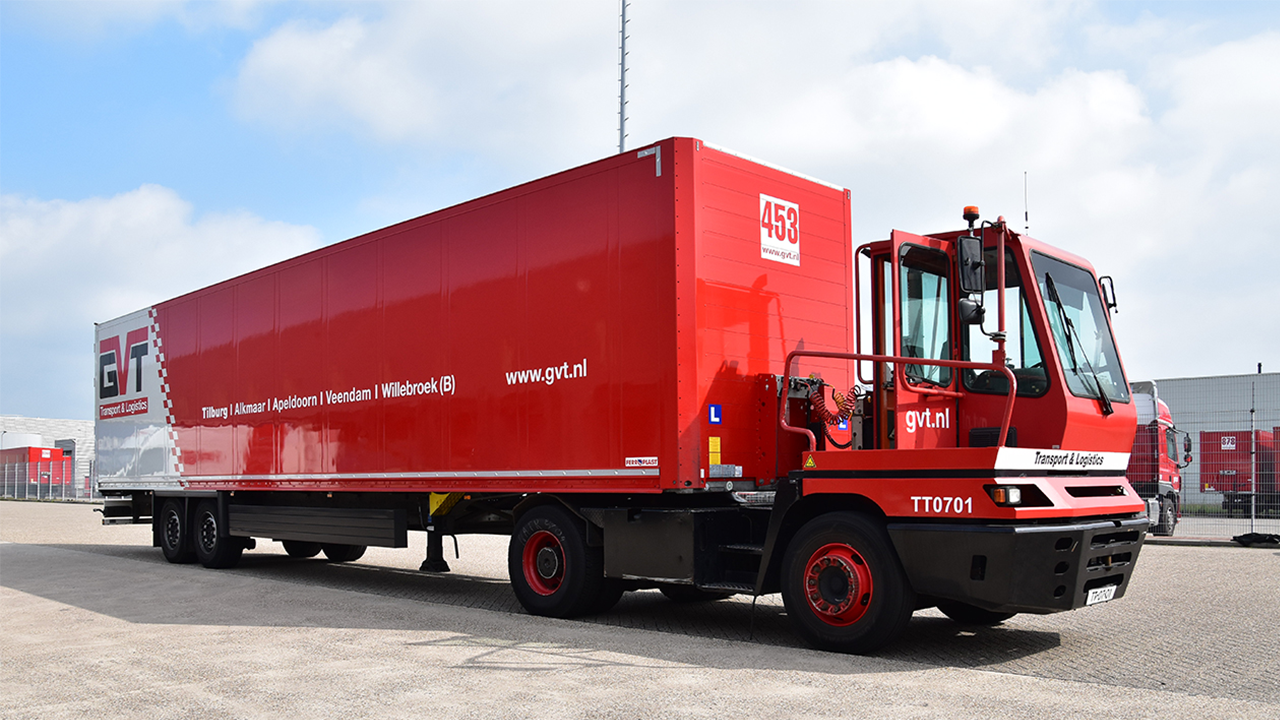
x=780 y=222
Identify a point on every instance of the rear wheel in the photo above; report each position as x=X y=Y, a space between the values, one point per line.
x=214 y=548
x=967 y=614
x=553 y=571
x=342 y=553
x=175 y=537
x=300 y=548
x=610 y=593
x=843 y=586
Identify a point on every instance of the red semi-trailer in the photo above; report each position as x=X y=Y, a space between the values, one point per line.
x=649 y=372
x=1242 y=466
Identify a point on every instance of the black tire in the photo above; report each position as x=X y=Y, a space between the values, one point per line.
x=610 y=593
x=553 y=571
x=1168 y=518
x=342 y=553
x=175 y=535
x=691 y=594
x=214 y=547
x=843 y=585
x=967 y=614
x=301 y=548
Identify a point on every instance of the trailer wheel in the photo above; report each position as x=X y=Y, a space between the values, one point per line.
x=691 y=594
x=843 y=586
x=342 y=553
x=214 y=548
x=553 y=571
x=301 y=548
x=967 y=614
x=175 y=539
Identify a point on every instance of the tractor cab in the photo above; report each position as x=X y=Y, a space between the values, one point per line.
x=980 y=352
x=1034 y=314
x=968 y=351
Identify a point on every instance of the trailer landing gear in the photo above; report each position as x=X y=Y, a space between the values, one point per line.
x=435 y=561
x=843 y=585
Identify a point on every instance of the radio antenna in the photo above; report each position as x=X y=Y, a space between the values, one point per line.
x=622 y=79
x=1026 y=208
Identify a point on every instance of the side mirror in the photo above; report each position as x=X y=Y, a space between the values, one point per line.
x=1186 y=445
x=1108 y=291
x=1187 y=460
x=970 y=312
x=969 y=258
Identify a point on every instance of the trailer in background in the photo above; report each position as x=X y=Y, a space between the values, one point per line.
x=1242 y=466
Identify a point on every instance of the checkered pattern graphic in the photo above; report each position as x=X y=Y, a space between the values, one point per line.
x=158 y=343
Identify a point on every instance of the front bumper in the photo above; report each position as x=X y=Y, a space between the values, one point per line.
x=1021 y=568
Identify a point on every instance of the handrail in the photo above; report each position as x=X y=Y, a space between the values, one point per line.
x=857 y=304
x=897 y=360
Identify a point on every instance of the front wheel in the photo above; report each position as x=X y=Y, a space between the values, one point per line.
x=1168 y=518
x=553 y=571
x=843 y=586
x=214 y=548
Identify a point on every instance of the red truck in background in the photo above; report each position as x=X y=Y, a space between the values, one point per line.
x=650 y=372
x=1154 y=469
x=1242 y=466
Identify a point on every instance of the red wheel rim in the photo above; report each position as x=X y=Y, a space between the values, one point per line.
x=837 y=584
x=543 y=562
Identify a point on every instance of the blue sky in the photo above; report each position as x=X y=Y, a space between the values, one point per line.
x=150 y=148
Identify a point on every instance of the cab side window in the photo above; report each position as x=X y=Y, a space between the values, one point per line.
x=1022 y=344
x=925 y=295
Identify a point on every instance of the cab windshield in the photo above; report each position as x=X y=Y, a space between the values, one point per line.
x=1078 y=323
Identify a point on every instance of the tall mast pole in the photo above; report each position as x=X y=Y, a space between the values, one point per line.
x=622 y=80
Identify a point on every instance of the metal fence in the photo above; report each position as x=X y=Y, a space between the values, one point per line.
x=1230 y=486
x=47 y=480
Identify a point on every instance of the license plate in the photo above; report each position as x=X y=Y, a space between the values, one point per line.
x=1100 y=594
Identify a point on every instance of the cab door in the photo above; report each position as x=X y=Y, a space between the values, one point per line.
x=916 y=310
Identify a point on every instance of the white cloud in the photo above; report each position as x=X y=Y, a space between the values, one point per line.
x=1226 y=97
x=1150 y=150
x=68 y=264
x=1132 y=166
x=492 y=77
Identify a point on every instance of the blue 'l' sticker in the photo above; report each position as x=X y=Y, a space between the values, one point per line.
x=713 y=414
x=843 y=424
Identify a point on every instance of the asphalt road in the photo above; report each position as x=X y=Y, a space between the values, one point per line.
x=96 y=623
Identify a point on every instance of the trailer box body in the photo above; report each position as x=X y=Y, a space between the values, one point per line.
x=1237 y=461
x=611 y=328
